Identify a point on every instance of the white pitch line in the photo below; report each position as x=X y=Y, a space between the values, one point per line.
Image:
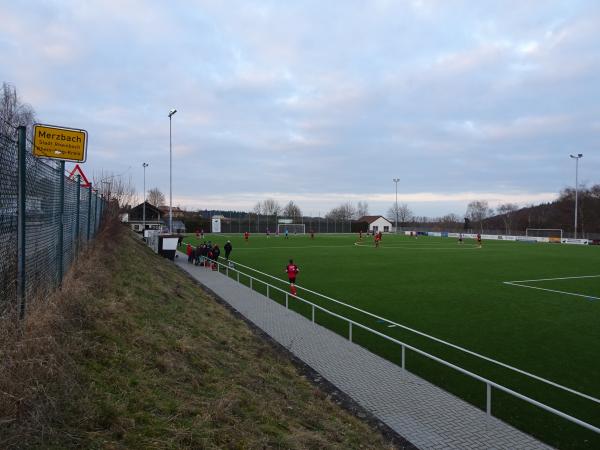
x=552 y=279
x=242 y=247
x=552 y=290
x=417 y=247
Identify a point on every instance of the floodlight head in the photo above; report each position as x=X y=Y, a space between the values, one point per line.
x=579 y=155
x=144 y=164
x=172 y=111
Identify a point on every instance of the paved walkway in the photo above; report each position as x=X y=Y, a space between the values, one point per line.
x=422 y=413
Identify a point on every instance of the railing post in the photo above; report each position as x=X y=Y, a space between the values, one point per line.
x=238 y=277
x=61 y=223
x=250 y=283
x=287 y=300
x=21 y=255
x=488 y=400
x=403 y=363
x=350 y=331
x=268 y=291
x=313 y=313
x=227 y=271
x=78 y=181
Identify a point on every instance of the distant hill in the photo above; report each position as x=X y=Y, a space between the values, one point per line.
x=557 y=214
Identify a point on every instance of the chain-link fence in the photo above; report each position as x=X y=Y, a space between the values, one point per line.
x=42 y=229
x=254 y=223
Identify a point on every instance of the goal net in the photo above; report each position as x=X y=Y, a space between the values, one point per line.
x=556 y=233
x=292 y=228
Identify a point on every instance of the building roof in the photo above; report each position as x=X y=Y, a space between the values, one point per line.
x=136 y=213
x=371 y=219
x=165 y=209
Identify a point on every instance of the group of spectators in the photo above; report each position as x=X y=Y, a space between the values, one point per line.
x=206 y=253
x=203 y=254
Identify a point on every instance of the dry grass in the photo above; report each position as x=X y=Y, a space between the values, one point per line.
x=131 y=354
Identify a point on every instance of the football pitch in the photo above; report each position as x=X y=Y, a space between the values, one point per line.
x=533 y=307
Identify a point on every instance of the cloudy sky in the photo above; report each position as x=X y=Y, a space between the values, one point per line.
x=320 y=102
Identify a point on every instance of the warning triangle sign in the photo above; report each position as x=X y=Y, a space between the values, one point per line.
x=83 y=179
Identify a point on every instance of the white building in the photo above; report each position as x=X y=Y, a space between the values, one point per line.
x=377 y=223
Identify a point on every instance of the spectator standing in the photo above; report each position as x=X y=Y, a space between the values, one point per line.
x=188 y=250
x=228 y=247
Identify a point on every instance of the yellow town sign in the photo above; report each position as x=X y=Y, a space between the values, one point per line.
x=62 y=143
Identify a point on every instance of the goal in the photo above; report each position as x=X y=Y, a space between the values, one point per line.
x=293 y=228
x=556 y=233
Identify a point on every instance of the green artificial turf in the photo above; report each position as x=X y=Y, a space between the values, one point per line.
x=456 y=293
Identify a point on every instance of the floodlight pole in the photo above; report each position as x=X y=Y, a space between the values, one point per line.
x=576 y=158
x=173 y=111
x=144 y=165
x=396 y=180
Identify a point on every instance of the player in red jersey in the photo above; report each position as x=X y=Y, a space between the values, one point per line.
x=246 y=236
x=292 y=270
x=479 y=240
x=377 y=239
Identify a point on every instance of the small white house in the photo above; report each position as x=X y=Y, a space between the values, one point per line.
x=377 y=224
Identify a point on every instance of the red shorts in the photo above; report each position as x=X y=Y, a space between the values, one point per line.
x=293 y=280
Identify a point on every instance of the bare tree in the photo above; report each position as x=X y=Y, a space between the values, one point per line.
x=404 y=213
x=507 y=211
x=258 y=208
x=362 y=209
x=292 y=211
x=477 y=211
x=450 y=221
x=155 y=197
x=13 y=112
x=118 y=191
x=270 y=207
x=345 y=211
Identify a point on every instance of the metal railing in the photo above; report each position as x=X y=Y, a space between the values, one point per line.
x=489 y=384
x=433 y=338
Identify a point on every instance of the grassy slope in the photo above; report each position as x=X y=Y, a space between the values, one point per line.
x=456 y=293
x=155 y=363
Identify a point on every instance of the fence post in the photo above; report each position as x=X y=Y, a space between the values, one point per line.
x=100 y=211
x=89 y=221
x=313 y=313
x=61 y=224
x=21 y=256
x=77 y=213
x=96 y=214
x=350 y=331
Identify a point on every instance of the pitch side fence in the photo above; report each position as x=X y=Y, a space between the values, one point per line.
x=259 y=223
x=352 y=326
x=44 y=219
